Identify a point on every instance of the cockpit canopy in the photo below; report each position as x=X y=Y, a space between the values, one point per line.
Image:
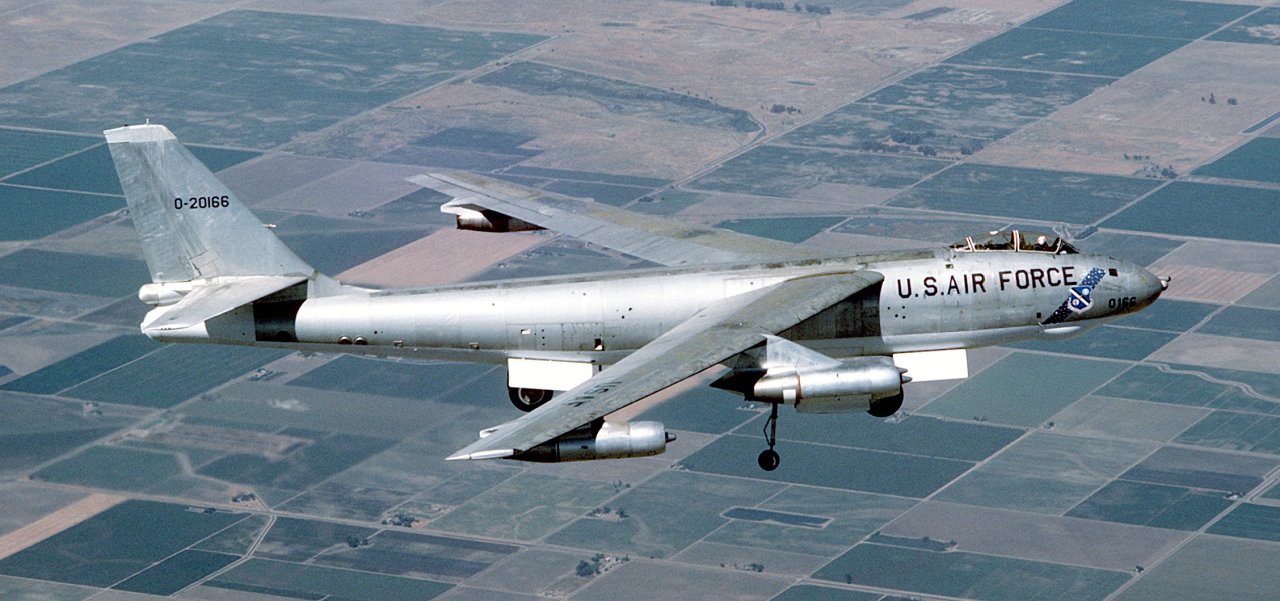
x=1016 y=240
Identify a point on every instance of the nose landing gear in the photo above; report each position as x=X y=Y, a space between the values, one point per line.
x=769 y=458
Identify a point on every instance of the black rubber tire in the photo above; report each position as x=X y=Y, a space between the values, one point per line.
x=887 y=406
x=769 y=460
x=528 y=399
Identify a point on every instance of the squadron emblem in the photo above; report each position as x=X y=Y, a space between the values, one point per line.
x=1081 y=299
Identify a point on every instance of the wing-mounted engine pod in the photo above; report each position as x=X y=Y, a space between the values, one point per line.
x=163 y=294
x=608 y=441
x=836 y=387
x=477 y=219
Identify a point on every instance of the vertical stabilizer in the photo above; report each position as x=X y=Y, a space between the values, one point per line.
x=190 y=224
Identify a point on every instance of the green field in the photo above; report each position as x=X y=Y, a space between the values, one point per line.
x=64 y=272
x=83 y=365
x=93 y=170
x=34 y=213
x=1205 y=470
x=619 y=97
x=34 y=430
x=1260 y=522
x=27 y=149
x=315 y=582
x=989 y=92
x=1236 y=431
x=1258 y=28
x=115 y=468
x=1076 y=52
x=920 y=435
x=300 y=469
x=1204 y=210
x=116 y=543
x=1024 y=193
x=787 y=229
x=1158 y=506
x=852 y=516
x=176 y=573
x=949 y=133
x=394 y=378
x=399 y=553
x=173 y=374
x=526 y=507
x=788 y=171
x=1158 y=18
x=1023 y=389
x=321 y=71
x=821 y=465
x=1143 y=250
x=1258 y=160
x=1148 y=383
x=661 y=518
x=1245 y=322
x=1045 y=473
x=809 y=592
x=969 y=575
x=1106 y=342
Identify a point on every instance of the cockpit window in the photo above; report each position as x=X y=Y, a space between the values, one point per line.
x=1018 y=240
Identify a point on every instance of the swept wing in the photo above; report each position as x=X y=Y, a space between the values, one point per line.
x=711 y=336
x=664 y=241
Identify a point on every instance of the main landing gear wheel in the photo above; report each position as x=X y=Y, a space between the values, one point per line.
x=528 y=399
x=769 y=458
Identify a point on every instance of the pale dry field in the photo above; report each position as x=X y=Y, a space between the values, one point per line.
x=56 y=522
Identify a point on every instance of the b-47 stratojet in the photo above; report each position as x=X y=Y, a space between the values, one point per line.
x=799 y=326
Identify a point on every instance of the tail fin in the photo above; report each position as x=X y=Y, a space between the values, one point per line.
x=191 y=225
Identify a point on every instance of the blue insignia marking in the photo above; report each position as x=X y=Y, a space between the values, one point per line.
x=1080 y=298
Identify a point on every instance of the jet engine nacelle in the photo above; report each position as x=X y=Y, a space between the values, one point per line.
x=610 y=441
x=851 y=385
x=164 y=294
x=483 y=220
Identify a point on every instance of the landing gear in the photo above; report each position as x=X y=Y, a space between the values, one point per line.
x=769 y=458
x=528 y=399
x=887 y=406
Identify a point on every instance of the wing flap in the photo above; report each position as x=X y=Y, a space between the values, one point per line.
x=211 y=300
x=709 y=337
x=663 y=241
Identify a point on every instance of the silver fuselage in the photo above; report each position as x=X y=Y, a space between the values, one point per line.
x=929 y=300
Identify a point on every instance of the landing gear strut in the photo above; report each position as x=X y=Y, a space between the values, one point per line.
x=769 y=458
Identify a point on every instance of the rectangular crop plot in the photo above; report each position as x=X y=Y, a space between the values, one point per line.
x=34 y=430
x=1202 y=469
x=1261 y=522
x=990 y=92
x=787 y=171
x=1067 y=52
x=26 y=149
x=1168 y=315
x=1147 y=383
x=93 y=170
x=116 y=468
x=316 y=582
x=919 y=435
x=1159 y=506
x=661 y=517
x=1106 y=341
x=526 y=507
x=905 y=130
x=297 y=539
x=1262 y=27
x=1205 y=210
x=116 y=543
x=1258 y=160
x=619 y=97
x=787 y=229
x=173 y=374
x=419 y=555
x=389 y=378
x=1024 y=193
x=823 y=465
x=300 y=469
x=1245 y=322
x=1156 y=18
x=65 y=272
x=34 y=213
x=83 y=365
x=1143 y=250
x=1229 y=430
x=1023 y=389
x=969 y=575
x=176 y=573
x=320 y=70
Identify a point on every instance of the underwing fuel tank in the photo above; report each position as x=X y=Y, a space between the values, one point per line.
x=610 y=441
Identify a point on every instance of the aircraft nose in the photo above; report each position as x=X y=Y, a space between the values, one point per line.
x=1152 y=285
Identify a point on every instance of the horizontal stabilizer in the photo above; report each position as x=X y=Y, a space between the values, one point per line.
x=213 y=299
